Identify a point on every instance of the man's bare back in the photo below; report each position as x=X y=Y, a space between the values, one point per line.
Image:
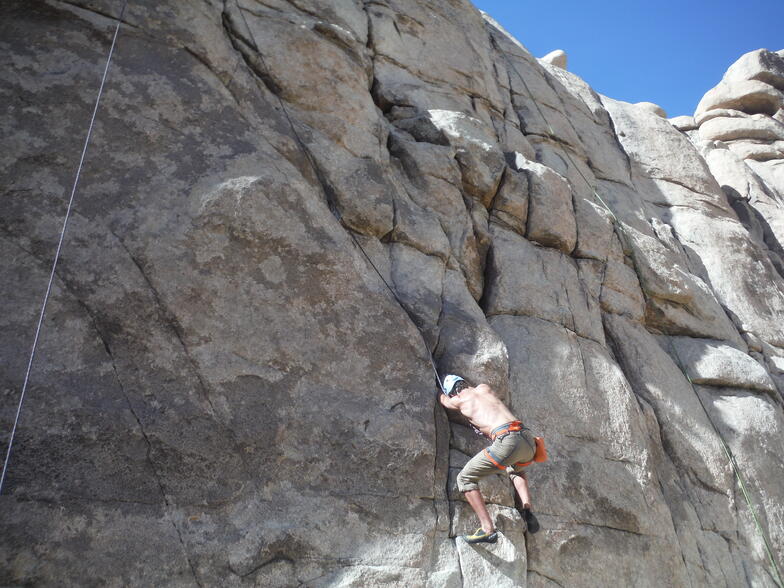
x=480 y=406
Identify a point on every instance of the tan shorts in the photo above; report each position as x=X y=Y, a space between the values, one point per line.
x=503 y=455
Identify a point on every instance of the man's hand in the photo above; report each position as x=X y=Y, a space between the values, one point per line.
x=448 y=402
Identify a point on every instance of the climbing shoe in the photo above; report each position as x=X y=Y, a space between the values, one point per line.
x=481 y=536
x=530 y=520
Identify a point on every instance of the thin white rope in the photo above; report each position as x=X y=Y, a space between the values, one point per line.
x=59 y=248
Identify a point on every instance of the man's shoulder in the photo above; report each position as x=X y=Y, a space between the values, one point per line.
x=484 y=389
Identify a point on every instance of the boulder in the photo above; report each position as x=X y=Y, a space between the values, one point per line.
x=510 y=205
x=650 y=141
x=653 y=108
x=719 y=112
x=740 y=182
x=481 y=161
x=593 y=221
x=771 y=173
x=756 y=126
x=714 y=244
x=749 y=96
x=550 y=212
x=757 y=151
x=713 y=363
x=621 y=293
x=761 y=65
x=556 y=58
x=683 y=123
x=677 y=301
x=363 y=197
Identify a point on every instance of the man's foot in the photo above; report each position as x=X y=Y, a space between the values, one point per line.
x=482 y=536
x=530 y=520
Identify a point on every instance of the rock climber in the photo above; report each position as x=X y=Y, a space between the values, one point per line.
x=512 y=446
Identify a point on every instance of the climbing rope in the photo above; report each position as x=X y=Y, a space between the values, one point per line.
x=621 y=232
x=735 y=469
x=59 y=248
x=333 y=208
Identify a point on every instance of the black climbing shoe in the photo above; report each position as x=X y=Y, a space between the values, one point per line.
x=530 y=520
x=481 y=536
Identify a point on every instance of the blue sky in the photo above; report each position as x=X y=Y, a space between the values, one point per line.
x=666 y=52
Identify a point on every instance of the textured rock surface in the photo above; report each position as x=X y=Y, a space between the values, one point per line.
x=227 y=394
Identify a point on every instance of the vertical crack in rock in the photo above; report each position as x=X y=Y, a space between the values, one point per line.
x=548 y=78
x=440 y=319
x=248 y=48
x=169 y=318
x=692 y=259
x=459 y=562
x=674 y=527
x=571 y=313
x=225 y=81
x=688 y=479
x=167 y=504
x=245 y=45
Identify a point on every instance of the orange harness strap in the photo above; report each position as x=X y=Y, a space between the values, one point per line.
x=511 y=427
x=494 y=461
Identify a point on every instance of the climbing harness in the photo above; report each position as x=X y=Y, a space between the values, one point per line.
x=333 y=208
x=621 y=232
x=507 y=428
x=59 y=248
x=540 y=453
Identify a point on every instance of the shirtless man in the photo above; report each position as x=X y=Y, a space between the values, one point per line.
x=513 y=445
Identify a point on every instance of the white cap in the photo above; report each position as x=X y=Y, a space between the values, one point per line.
x=449 y=383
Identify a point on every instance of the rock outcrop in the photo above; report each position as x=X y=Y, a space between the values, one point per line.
x=226 y=393
x=557 y=58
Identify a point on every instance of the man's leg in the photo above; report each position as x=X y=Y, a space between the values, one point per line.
x=520 y=482
x=477 y=502
x=523 y=500
x=467 y=482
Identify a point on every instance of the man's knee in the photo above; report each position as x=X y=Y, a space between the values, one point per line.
x=466 y=482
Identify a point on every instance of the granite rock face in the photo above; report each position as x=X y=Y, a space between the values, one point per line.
x=227 y=393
